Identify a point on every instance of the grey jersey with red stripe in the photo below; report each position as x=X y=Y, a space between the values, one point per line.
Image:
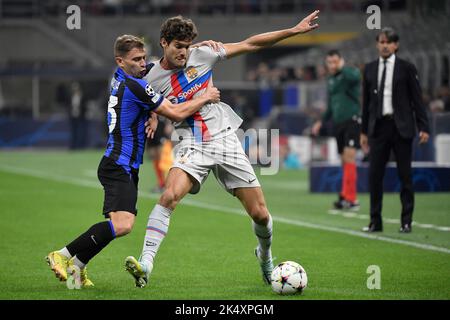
x=212 y=121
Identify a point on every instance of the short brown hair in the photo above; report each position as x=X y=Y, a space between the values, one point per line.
x=125 y=43
x=178 y=28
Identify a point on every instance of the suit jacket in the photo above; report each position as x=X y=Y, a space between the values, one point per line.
x=409 y=109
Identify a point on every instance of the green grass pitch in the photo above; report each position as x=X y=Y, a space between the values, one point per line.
x=49 y=198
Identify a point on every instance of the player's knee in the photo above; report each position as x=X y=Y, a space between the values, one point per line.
x=260 y=214
x=128 y=226
x=349 y=155
x=169 y=199
x=123 y=226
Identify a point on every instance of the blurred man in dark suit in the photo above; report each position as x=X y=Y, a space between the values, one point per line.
x=392 y=108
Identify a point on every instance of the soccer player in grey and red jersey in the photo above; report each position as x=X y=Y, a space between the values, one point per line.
x=208 y=141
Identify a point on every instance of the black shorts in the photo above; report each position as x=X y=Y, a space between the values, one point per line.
x=347 y=134
x=121 y=187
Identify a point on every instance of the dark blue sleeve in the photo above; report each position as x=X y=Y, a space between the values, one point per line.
x=143 y=94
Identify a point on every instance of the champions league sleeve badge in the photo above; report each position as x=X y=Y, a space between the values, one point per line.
x=149 y=90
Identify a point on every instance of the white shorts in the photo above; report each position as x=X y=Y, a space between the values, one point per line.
x=224 y=156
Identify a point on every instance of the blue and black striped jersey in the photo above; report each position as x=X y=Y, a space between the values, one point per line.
x=129 y=104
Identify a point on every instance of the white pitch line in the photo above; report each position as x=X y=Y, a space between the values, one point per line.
x=85 y=183
x=321 y=227
x=348 y=214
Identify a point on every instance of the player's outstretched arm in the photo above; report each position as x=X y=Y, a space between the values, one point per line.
x=268 y=39
x=179 y=112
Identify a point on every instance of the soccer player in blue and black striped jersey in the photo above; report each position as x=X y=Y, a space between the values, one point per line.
x=131 y=104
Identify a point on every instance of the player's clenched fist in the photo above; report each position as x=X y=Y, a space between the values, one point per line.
x=212 y=94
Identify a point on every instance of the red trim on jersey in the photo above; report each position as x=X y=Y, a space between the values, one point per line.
x=177 y=89
x=203 y=86
x=176 y=86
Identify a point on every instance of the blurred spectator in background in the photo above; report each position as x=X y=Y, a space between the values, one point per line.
x=162 y=5
x=243 y=109
x=344 y=111
x=299 y=73
x=442 y=101
x=288 y=158
x=77 y=116
x=2 y=99
x=321 y=72
x=263 y=75
x=436 y=105
x=63 y=96
x=112 y=6
x=267 y=75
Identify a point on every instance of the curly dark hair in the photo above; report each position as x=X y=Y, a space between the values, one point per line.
x=178 y=28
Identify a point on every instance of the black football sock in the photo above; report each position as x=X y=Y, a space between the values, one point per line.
x=86 y=255
x=92 y=241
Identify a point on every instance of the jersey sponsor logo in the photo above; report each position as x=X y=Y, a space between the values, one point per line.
x=191 y=72
x=190 y=91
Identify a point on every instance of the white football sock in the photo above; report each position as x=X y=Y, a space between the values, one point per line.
x=264 y=236
x=78 y=263
x=65 y=253
x=157 y=227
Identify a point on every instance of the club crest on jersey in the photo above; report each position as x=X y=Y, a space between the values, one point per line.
x=149 y=90
x=191 y=72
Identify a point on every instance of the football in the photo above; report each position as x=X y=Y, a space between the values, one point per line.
x=289 y=278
